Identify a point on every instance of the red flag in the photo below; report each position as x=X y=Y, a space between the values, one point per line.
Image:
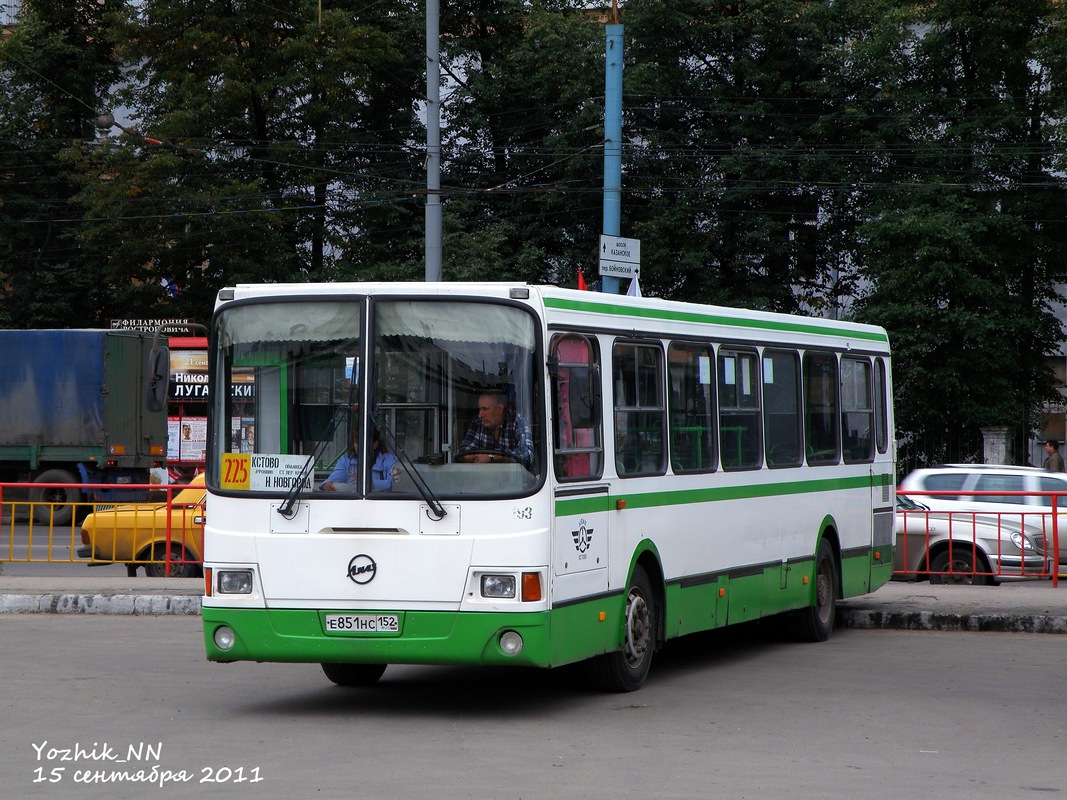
x=581 y=282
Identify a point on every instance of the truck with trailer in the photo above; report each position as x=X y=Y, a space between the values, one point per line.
x=72 y=412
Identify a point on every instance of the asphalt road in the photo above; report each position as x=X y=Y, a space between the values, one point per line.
x=869 y=714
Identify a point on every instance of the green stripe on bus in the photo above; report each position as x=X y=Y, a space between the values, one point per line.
x=589 y=505
x=609 y=309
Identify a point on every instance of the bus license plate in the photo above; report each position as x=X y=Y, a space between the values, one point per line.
x=362 y=623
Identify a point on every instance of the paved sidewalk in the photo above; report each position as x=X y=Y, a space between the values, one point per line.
x=1024 y=607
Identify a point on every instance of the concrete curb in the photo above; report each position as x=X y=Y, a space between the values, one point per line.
x=866 y=619
x=118 y=604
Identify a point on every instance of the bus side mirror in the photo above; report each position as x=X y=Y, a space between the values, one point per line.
x=155 y=398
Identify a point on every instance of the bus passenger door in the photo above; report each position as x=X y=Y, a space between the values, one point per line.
x=580 y=541
x=582 y=499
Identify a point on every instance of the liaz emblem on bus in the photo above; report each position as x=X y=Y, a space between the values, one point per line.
x=362 y=569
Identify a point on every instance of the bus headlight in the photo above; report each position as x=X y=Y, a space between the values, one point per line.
x=237 y=581
x=498 y=587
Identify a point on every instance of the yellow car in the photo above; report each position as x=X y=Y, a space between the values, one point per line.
x=135 y=534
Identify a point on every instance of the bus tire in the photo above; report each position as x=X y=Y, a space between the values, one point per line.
x=625 y=670
x=60 y=512
x=816 y=622
x=354 y=674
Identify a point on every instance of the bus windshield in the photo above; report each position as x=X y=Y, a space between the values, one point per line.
x=442 y=399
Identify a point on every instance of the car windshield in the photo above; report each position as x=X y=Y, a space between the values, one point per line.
x=905 y=503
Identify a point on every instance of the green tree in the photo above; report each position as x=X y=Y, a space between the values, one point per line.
x=53 y=70
x=738 y=178
x=964 y=241
x=523 y=136
x=266 y=145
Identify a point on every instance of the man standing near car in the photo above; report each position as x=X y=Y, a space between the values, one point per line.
x=1054 y=462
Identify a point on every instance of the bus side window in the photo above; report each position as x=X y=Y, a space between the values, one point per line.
x=781 y=408
x=577 y=434
x=640 y=429
x=691 y=407
x=881 y=405
x=740 y=442
x=821 y=405
x=857 y=410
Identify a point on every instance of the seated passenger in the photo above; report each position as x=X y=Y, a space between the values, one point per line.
x=345 y=475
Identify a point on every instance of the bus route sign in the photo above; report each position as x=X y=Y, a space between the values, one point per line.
x=263 y=472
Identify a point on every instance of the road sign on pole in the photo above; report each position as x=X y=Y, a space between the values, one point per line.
x=619 y=258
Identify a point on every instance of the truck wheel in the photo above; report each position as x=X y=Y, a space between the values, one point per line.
x=59 y=513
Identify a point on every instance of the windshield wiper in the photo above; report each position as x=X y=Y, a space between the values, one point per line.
x=410 y=468
x=287 y=508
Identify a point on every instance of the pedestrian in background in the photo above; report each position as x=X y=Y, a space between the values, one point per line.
x=1054 y=462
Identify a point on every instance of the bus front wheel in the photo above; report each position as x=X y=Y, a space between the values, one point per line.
x=354 y=674
x=625 y=670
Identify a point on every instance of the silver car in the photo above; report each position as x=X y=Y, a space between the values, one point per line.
x=963 y=547
x=1022 y=495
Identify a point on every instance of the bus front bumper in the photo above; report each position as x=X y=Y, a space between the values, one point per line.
x=424 y=637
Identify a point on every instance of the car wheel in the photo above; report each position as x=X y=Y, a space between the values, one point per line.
x=354 y=674
x=179 y=568
x=959 y=567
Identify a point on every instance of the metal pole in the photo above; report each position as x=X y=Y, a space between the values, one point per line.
x=433 y=142
x=612 y=142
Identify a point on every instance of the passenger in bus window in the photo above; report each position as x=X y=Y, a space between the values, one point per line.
x=345 y=475
x=386 y=466
x=498 y=433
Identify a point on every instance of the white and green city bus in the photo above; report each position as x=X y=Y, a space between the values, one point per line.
x=684 y=467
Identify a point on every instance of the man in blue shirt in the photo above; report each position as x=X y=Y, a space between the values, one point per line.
x=498 y=431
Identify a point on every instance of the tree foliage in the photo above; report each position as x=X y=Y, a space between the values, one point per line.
x=964 y=243
x=897 y=162
x=54 y=69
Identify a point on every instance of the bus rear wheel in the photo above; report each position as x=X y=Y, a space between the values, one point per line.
x=625 y=670
x=354 y=674
x=816 y=622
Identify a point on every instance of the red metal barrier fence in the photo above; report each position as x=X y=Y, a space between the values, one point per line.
x=163 y=532
x=951 y=541
x=979 y=537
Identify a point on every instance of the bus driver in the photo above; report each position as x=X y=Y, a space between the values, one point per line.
x=498 y=433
